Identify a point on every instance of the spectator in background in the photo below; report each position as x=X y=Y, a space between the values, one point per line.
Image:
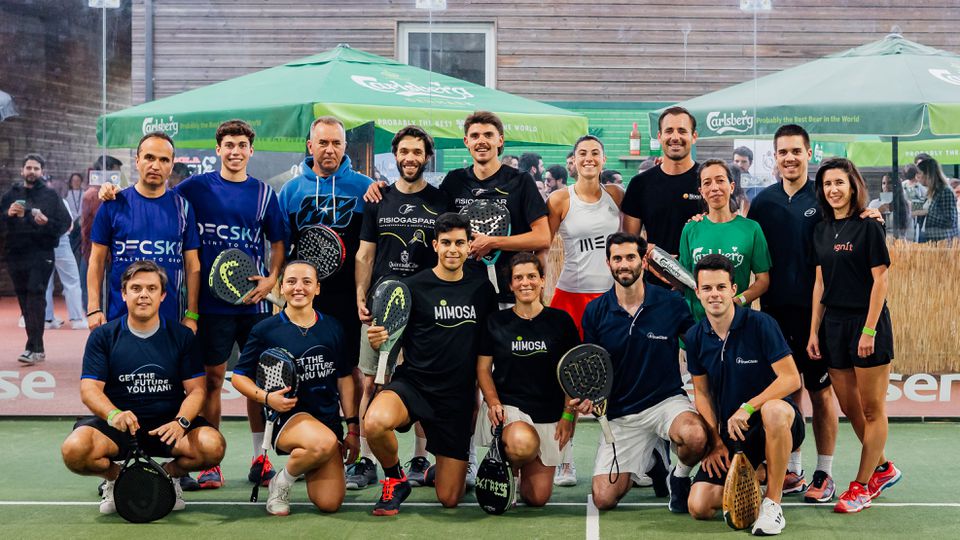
x=748 y=186
x=743 y=158
x=610 y=176
x=940 y=208
x=955 y=185
x=646 y=164
x=74 y=197
x=555 y=178
x=533 y=164
x=901 y=225
x=912 y=188
x=511 y=161
x=571 y=166
x=739 y=202
x=180 y=173
x=65 y=262
x=89 y=205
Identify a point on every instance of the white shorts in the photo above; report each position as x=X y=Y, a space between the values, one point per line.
x=636 y=435
x=550 y=453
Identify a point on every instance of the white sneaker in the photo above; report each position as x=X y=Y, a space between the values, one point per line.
x=471 y=479
x=642 y=480
x=54 y=324
x=107 y=506
x=32 y=358
x=79 y=324
x=566 y=475
x=278 y=503
x=770 y=521
x=179 y=503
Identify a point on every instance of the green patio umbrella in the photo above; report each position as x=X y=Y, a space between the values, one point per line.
x=892 y=87
x=356 y=87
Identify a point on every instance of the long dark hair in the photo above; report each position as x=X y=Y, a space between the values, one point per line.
x=933 y=174
x=858 y=188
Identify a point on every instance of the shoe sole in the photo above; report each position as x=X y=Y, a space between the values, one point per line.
x=888 y=484
x=761 y=532
x=845 y=510
x=818 y=500
x=565 y=483
x=280 y=514
x=211 y=485
x=353 y=486
x=379 y=512
x=795 y=489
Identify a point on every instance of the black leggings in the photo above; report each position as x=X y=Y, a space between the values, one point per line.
x=30 y=273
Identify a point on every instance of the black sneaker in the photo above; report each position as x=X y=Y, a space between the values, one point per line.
x=679 y=493
x=417 y=471
x=395 y=491
x=189 y=484
x=658 y=474
x=430 y=477
x=361 y=474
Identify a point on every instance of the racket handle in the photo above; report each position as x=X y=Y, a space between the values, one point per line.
x=605 y=427
x=272 y=298
x=268 y=435
x=492 y=274
x=382 y=367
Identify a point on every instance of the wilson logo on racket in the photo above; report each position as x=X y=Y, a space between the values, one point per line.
x=585 y=375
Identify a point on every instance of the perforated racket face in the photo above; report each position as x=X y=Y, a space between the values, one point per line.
x=488 y=217
x=495 y=487
x=143 y=491
x=228 y=276
x=277 y=369
x=585 y=372
x=741 y=493
x=323 y=247
x=391 y=305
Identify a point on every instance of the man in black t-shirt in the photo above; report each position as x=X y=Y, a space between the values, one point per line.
x=662 y=199
x=140 y=379
x=436 y=383
x=396 y=241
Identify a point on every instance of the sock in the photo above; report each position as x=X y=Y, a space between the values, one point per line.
x=285 y=477
x=682 y=471
x=420 y=447
x=473 y=453
x=567 y=457
x=794 y=464
x=884 y=467
x=393 y=472
x=825 y=464
x=257 y=444
x=365 y=449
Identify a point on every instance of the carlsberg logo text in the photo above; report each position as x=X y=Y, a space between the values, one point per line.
x=151 y=124
x=409 y=89
x=729 y=122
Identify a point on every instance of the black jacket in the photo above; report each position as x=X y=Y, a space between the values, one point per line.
x=23 y=234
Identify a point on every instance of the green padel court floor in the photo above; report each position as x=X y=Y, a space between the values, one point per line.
x=39 y=498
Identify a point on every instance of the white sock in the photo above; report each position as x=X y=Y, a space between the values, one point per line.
x=473 y=453
x=286 y=477
x=257 y=444
x=420 y=447
x=794 y=464
x=365 y=450
x=825 y=464
x=682 y=471
x=568 y=453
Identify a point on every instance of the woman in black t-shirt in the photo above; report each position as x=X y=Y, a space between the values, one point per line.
x=850 y=328
x=517 y=372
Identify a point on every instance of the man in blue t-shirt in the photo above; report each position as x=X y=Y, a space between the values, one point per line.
x=146 y=222
x=640 y=325
x=141 y=379
x=743 y=374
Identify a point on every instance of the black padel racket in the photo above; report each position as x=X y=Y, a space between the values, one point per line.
x=277 y=369
x=229 y=275
x=391 y=309
x=143 y=491
x=489 y=217
x=323 y=247
x=585 y=372
x=496 y=487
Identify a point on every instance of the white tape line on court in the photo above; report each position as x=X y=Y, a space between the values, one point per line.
x=593 y=520
x=465 y=504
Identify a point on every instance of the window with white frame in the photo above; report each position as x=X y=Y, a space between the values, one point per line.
x=466 y=51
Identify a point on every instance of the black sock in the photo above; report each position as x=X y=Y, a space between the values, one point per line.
x=393 y=472
x=884 y=467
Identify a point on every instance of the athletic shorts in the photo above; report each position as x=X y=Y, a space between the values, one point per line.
x=794 y=322
x=573 y=303
x=217 y=333
x=447 y=424
x=369 y=358
x=840 y=333
x=550 y=453
x=755 y=445
x=637 y=435
x=150 y=444
x=344 y=310
x=335 y=426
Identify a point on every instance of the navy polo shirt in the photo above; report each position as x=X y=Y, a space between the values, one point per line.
x=741 y=367
x=643 y=347
x=787 y=223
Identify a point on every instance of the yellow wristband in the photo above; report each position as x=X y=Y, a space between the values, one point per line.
x=869 y=331
x=748 y=407
x=191 y=315
x=568 y=416
x=111 y=415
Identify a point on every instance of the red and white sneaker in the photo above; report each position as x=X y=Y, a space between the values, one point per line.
x=211 y=478
x=880 y=481
x=854 y=499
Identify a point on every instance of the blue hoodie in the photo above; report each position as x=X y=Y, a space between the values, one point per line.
x=337 y=202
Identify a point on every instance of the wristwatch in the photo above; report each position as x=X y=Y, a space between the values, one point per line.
x=184 y=423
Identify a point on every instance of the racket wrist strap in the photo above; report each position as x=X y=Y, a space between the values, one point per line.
x=94 y=312
x=748 y=407
x=191 y=315
x=867 y=331
x=568 y=416
x=111 y=415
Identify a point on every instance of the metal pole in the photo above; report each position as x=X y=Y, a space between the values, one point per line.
x=148 y=50
x=897 y=188
x=103 y=85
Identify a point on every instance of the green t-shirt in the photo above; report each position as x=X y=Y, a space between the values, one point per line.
x=740 y=240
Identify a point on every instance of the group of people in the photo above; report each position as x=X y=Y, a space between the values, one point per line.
x=477 y=354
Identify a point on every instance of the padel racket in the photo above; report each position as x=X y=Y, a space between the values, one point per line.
x=143 y=491
x=496 y=487
x=323 y=247
x=391 y=309
x=586 y=372
x=277 y=369
x=741 y=493
x=670 y=269
x=229 y=275
x=490 y=218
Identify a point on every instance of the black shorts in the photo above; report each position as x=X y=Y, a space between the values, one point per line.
x=755 y=447
x=447 y=424
x=840 y=333
x=344 y=310
x=794 y=322
x=217 y=333
x=336 y=426
x=150 y=444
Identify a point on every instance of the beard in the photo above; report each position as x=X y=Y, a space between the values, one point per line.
x=630 y=278
x=416 y=176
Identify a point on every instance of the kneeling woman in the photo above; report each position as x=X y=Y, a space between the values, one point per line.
x=309 y=427
x=517 y=371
